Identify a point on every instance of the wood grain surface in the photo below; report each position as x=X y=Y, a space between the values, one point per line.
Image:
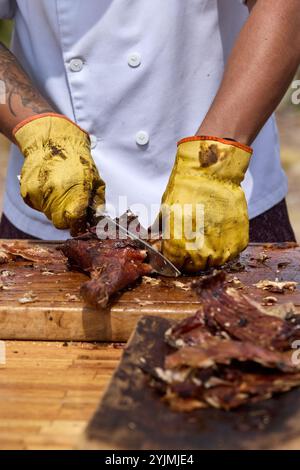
x=58 y=314
x=132 y=415
x=49 y=390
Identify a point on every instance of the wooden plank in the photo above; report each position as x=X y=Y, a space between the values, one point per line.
x=48 y=392
x=57 y=318
x=132 y=415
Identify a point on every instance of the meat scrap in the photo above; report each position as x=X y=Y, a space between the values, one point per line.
x=240 y=317
x=231 y=353
x=181 y=285
x=217 y=351
x=189 y=332
x=276 y=286
x=6 y=274
x=3 y=286
x=151 y=281
x=269 y=300
x=29 y=252
x=28 y=298
x=72 y=297
x=4 y=256
x=235 y=282
x=239 y=389
x=111 y=264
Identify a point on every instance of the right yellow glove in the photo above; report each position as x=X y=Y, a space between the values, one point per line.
x=207 y=174
x=59 y=176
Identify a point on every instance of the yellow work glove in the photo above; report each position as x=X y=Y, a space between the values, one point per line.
x=59 y=176
x=204 y=209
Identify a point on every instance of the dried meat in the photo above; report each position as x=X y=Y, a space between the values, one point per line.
x=111 y=264
x=229 y=310
x=231 y=353
x=29 y=252
x=217 y=351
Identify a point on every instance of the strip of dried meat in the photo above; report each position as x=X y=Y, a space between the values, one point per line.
x=229 y=310
x=30 y=252
x=218 y=351
x=111 y=264
x=225 y=387
x=190 y=331
x=248 y=388
x=4 y=256
x=276 y=286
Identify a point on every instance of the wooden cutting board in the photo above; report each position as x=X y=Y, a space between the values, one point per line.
x=132 y=416
x=59 y=314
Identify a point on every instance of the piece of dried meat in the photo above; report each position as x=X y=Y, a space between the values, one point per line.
x=229 y=310
x=111 y=264
x=31 y=252
x=276 y=286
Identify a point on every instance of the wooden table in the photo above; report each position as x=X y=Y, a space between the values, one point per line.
x=58 y=313
x=49 y=391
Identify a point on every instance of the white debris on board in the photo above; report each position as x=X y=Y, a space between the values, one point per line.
x=235 y=282
x=72 y=298
x=262 y=257
x=4 y=257
x=276 y=286
x=182 y=286
x=3 y=286
x=152 y=281
x=269 y=300
x=28 y=298
x=7 y=274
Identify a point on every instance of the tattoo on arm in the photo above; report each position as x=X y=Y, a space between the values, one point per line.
x=18 y=86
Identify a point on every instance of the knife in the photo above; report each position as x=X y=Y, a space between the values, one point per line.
x=160 y=264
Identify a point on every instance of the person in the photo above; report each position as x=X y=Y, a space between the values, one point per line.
x=98 y=94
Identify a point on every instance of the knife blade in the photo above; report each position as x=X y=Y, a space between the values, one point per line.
x=160 y=264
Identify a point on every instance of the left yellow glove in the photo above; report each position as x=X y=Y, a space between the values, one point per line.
x=204 y=207
x=59 y=176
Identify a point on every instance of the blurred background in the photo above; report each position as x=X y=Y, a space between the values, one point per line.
x=288 y=119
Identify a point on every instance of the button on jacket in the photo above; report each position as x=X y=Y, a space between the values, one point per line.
x=138 y=75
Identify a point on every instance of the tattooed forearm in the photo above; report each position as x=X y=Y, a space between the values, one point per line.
x=22 y=99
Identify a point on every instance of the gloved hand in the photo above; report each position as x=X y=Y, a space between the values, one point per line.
x=207 y=171
x=59 y=176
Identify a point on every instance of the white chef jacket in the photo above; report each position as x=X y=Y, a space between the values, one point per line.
x=138 y=75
